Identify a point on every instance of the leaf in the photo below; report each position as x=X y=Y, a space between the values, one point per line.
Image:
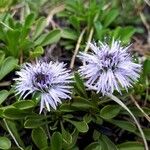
x=12 y=129
x=110 y=111
x=65 y=107
x=81 y=126
x=126 y=34
x=98 y=28
x=87 y=118
x=146 y=133
x=109 y=143
x=24 y=104
x=37 y=52
x=39 y=40
x=82 y=103
x=29 y=20
x=14 y=113
x=131 y=146
x=39 y=137
x=146 y=67
x=13 y=38
x=56 y=141
x=79 y=84
x=94 y=146
x=52 y=37
x=7 y=66
x=3 y=95
x=126 y=125
x=2 y=56
x=69 y=34
x=34 y=123
x=5 y=143
x=39 y=27
x=67 y=138
x=110 y=17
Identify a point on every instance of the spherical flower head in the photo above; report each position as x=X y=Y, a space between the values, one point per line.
x=108 y=68
x=52 y=80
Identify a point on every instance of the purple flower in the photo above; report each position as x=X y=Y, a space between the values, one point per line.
x=51 y=80
x=108 y=68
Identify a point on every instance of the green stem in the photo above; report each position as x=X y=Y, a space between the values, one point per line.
x=10 y=132
x=6 y=25
x=127 y=109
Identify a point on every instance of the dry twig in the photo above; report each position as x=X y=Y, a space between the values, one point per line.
x=137 y=105
x=77 y=48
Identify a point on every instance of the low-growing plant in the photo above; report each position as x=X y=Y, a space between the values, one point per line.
x=81 y=104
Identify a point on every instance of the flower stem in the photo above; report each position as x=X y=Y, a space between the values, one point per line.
x=127 y=109
x=47 y=128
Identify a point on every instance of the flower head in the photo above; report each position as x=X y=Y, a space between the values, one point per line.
x=108 y=68
x=51 y=80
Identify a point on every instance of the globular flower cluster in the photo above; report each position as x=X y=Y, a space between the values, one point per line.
x=51 y=80
x=105 y=69
x=108 y=68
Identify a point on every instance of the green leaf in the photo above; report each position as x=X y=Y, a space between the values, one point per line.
x=98 y=28
x=79 y=84
x=65 y=107
x=14 y=113
x=12 y=129
x=109 y=143
x=2 y=56
x=126 y=34
x=24 y=104
x=69 y=34
x=67 y=138
x=39 y=27
x=110 y=17
x=37 y=52
x=82 y=103
x=39 y=40
x=94 y=146
x=13 y=38
x=126 y=125
x=5 y=143
x=7 y=66
x=34 y=123
x=146 y=67
x=146 y=133
x=56 y=141
x=3 y=95
x=39 y=137
x=29 y=20
x=110 y=111
x=81 y=126
x=87 y=118
x=52 y=37
x=131 y=146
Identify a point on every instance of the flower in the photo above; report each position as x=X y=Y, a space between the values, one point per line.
x=108 y=68
x=51 y=80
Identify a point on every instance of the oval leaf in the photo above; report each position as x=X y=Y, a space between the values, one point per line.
x=56 y=141
x=24 y=104
x=5 y=143
x=131 y=146
x=7 y=66
x=52 y=37
x=3 y=95
x=110 y=111
x=39 y=137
